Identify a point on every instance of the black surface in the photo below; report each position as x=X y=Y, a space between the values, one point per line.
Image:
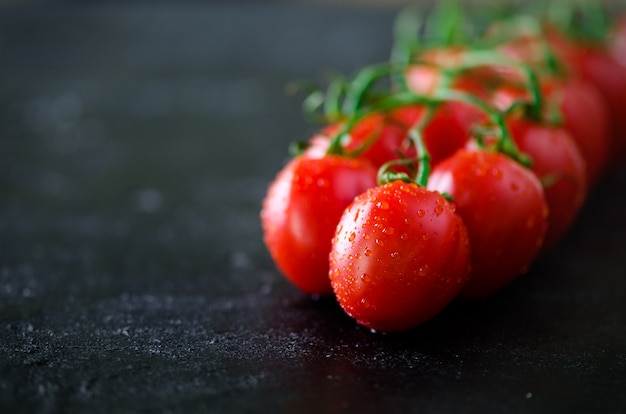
x=136 y=143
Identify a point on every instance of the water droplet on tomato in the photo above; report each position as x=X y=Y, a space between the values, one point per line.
x=366 y=236
x=382 y=205
x=380 y=242
x=438 y=210
x=352 y=237
x=404 y=236
x=480 y=172
x=388 y=230
x=423 y=270
x=395 y=255
x=421 y=213
x=368 y=252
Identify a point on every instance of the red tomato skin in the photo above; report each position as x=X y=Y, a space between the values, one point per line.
x=583 y=109
x=504 y=208
x=594 y=63
x=400 y=255
x=559 y=165
x=598 y=67
x=386 y=133
x=378 y=138
x=301 y=210
x=586 y=117
x=444 y=134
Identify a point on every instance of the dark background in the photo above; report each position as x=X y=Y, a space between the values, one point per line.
x=136 y=144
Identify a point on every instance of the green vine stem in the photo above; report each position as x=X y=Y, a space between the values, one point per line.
x=584 y=19
x=505 y=143
x=535 y=27
x=423 y=156
x=476 y=58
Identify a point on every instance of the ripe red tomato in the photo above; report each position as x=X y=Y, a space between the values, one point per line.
x=558 y=163
x=504 y=208
x=594 y=63
x=378 y=137
x=583 y=110
x=384 y=136
x=444 y=134
x=425 y=79
x=400 y=255
x=586 y=118
x=301 y=210
x=598 y=67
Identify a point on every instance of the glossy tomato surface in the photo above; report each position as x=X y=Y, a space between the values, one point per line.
x=384 y=136
x=598 y=67
x=301 y=210
x=504 y=208
x=400 y=255
x=586 y=118
x=559 y=165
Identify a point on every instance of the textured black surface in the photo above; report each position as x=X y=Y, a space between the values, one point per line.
x=136 y=144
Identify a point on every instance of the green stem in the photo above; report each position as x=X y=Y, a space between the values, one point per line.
x=598 y=21
x=423 y=156
x=385 y=172
x=363 y=83
x=478 y=58
x=332 y=107
x=385 y=104
x=505 y=143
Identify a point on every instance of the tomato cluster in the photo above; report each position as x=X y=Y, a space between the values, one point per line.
x=446 y=172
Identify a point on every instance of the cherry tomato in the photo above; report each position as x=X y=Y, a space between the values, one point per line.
x=383 y=136
x=583 y=112
x=301 y=210
x=505 y=211
x=425 y=79
x=602 y=70
x=377 y=137
x=558 y=163
x=400 y=255
x=586 y=118
x=595 y=64
x=444 y=134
